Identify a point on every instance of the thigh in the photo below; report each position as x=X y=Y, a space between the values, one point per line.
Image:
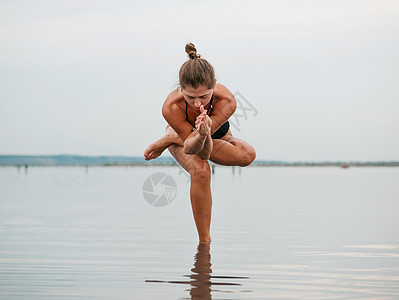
x=236 y=141
x=231 y=151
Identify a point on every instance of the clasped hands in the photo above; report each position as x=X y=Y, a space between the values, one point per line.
x=203 y=123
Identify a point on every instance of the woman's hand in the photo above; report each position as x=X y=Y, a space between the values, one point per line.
x=203 y=123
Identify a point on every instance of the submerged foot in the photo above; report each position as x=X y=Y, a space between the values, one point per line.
x=205 y=240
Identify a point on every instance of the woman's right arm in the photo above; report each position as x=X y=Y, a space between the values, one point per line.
x=193 y=141
x=175 y=117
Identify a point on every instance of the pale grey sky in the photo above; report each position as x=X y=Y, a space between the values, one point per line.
x=90 y=77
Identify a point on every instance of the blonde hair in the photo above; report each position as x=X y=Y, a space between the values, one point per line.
x=196 y=71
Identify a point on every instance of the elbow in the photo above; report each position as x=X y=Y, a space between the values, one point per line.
x=187 y=149
x=204 y=156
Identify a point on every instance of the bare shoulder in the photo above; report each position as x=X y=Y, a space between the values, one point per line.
x=174 y=112
x=225 y=103
x=173 y=105
x=221 y=92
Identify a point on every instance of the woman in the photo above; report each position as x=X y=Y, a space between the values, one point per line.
x=197 y=114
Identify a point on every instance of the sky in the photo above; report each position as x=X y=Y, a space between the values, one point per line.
x=317 y=79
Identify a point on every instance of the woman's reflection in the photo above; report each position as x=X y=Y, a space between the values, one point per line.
x=200 y=277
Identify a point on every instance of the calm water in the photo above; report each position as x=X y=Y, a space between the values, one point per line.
x=278 y=233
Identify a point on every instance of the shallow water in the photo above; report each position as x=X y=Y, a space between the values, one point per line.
x=278 y=233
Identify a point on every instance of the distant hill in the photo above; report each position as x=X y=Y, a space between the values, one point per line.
x=78 y=160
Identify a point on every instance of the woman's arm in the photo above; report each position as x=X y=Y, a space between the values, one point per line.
x=193 y=142
x=223 y=108
x=205 y=154
x=200 y=144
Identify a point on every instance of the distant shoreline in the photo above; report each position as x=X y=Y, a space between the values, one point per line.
x=134 y=161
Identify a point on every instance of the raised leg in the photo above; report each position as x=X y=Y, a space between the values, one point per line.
x=158 y=147
x=231 y=151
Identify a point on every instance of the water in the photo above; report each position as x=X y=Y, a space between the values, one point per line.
x=278 y=233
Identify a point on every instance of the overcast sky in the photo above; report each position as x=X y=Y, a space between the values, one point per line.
x=320 y=78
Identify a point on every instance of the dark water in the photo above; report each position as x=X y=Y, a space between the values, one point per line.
x=278 y=233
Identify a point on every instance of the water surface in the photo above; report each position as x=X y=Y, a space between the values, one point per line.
x=278 y=233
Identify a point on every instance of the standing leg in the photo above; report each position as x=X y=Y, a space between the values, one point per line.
x=200 y=189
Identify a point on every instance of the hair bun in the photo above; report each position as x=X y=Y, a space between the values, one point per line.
x=192 y=51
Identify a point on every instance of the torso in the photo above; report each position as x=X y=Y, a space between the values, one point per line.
x=175 y=105
x=176 y=98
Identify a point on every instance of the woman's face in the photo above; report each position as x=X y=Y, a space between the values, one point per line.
x=196 y=97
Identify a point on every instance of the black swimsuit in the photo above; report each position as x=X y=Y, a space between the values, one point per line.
x=221 y=132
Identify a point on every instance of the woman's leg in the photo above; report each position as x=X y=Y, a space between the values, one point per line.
x=231 y=151
x=228 y=150
x=156 y=148
x=200 y=189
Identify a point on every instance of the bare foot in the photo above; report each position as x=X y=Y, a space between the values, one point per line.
x=155 y=149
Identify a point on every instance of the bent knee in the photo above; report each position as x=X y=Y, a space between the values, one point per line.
x=248 y=157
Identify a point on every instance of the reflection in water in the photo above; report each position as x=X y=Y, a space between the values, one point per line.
x=200 y=278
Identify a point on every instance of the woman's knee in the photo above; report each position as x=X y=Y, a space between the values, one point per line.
x=248 y=156
x=200 y=170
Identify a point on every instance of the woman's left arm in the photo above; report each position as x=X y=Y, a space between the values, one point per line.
x=223 y=108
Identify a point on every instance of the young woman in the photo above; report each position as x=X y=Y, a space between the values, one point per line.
x=198 y=130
